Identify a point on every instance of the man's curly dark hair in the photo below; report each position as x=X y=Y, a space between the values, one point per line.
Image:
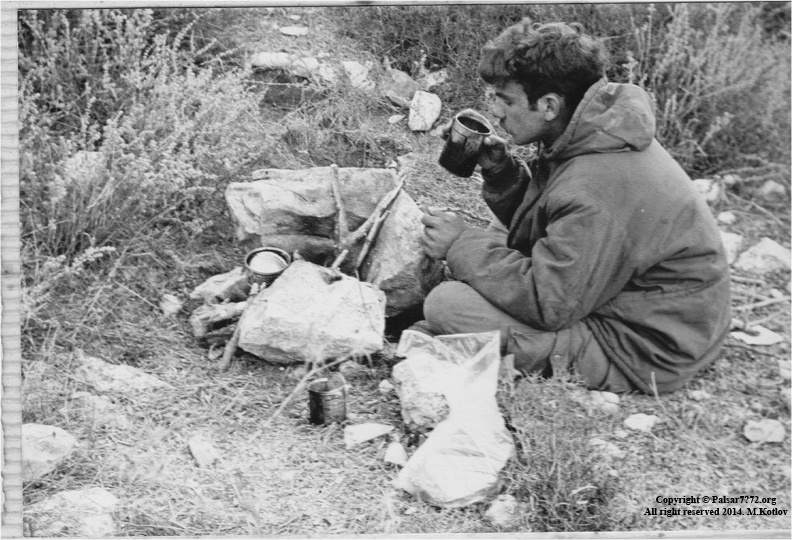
x=544 y=58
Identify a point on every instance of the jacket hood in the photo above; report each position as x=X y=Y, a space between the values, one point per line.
x=611 y=117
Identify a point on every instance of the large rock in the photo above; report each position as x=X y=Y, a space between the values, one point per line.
x=311 y=314
x=424 y=111
x=44 y=448
x=295 y=209
x=302 y=66
x=123 y=379
x=766 y=256
x=84 y=513
x=397 y=263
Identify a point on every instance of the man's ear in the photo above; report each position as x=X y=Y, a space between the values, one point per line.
x=551 y=105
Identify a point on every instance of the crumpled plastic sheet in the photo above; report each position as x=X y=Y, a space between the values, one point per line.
x=459 y=462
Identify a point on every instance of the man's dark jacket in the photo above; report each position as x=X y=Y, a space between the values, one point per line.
x=610 y=231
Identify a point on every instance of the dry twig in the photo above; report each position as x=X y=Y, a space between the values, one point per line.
x=346 y=243
x=763 y=303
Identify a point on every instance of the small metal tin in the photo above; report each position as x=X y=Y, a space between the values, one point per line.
x=277 y=261
x=327 y=401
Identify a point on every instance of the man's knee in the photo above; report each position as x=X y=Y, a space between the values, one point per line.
x=444 y=301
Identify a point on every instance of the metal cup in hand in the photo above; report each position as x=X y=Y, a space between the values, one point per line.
x=464 y=144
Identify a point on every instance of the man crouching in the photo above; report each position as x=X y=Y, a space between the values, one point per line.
x=610 y=264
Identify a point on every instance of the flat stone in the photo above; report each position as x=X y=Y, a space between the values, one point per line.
x=360 y=433
x=44 y=448
x=758 y=335
x=83 y=513
x=727 y=218
x=294 y=31
x=395 y=454
x=765 y=430
x=424 y=111
x=385 y=387
x=699 y=395
x=732 y=243
x=641 y=422
x=766 y=256
x=203 y=451
x=123 y=379
x=504 y=511
x=310 y=314
x=396 y=118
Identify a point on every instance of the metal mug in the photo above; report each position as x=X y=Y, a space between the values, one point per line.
x=464 y=144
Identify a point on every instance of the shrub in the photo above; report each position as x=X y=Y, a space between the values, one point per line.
x=120 y=127
x=710 y=65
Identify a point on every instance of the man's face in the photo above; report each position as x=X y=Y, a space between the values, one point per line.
x=515 y=116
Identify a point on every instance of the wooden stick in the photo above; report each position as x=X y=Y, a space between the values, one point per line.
x=747 y=280
x=338 y=260
x=763 y=303
x=230 y=349
x=363 y=230
x=342 y=229
x=764 y=319
x=369 y=239
x=346 y=244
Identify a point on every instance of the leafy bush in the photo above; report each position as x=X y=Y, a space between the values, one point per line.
x=120 y=127
x=713 y=64
x=705 y=64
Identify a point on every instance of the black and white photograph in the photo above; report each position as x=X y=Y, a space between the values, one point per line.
x=379 y=269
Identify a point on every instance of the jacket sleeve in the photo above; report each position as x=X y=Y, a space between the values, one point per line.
x=504 y=188
x=578 y=264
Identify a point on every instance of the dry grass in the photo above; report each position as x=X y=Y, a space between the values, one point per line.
x=289 y=477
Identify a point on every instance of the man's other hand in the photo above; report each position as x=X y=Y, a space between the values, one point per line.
x=441 y=228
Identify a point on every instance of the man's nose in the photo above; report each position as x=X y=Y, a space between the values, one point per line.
x=496 y=111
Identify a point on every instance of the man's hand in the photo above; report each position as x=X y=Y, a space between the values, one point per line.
x=441 y=228
x=493 y=154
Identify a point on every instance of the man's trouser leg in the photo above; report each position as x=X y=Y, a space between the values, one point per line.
x=456 y=308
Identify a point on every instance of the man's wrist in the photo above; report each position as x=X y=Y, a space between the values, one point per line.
x=500 y=173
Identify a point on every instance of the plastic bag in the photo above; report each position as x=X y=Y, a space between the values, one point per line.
x=459 y=462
